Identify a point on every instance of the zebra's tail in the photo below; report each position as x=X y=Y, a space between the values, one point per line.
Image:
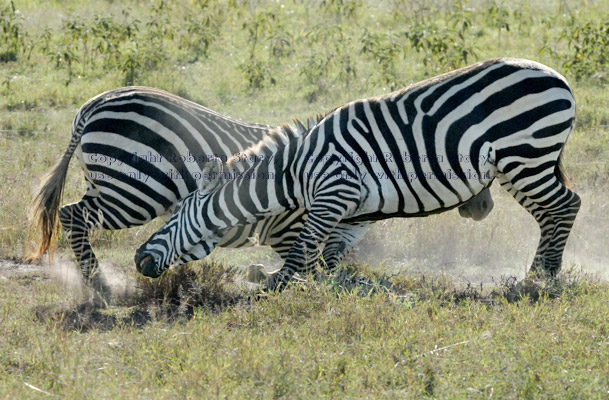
x=561 y=174
x=44 y=209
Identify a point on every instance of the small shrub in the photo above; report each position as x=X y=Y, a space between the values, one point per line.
x=340 y=8
x=588 y=46
x=260 y=28
x=330 y=65
x=12 y=35
x=201 y=31
x=444 y=47
x=386 y=50
x=180 y=290
x=257 y=73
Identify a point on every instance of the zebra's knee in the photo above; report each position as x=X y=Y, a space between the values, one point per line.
x=89 y=267
x=67 y=215
x=575 y=203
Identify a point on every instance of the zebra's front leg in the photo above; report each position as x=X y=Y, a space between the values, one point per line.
x=306 y=250
x=337 y=246
x=302 y=258
x=341 y=241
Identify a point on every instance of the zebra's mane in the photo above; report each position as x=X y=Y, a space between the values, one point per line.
x=275 y=139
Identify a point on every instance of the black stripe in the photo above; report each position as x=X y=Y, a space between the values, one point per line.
x=440 y=88
x=390 y=139
x=358 y=150
x=119 y=205
x=136 y=132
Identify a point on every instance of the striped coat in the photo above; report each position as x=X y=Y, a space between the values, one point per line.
x=421 y=150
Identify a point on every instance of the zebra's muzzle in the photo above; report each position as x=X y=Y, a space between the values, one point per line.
x=146 y=265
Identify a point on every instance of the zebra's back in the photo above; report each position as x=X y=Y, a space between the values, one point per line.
x=144 y=149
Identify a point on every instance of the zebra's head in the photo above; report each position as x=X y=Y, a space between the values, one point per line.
x=185 y=237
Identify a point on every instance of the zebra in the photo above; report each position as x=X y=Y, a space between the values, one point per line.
x=418 y=151
x=142 y=150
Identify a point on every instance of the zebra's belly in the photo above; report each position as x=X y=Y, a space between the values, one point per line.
x=414 y=197
x=379 y=215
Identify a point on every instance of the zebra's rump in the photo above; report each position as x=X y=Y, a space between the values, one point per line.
x=143 y=149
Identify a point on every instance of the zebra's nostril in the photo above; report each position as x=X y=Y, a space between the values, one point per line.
x=142 y=261
x=148 y=267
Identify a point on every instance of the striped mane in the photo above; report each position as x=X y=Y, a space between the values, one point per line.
x=275 y=139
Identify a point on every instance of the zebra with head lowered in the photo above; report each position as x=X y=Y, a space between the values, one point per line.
x=418 y=151
x=142 y=150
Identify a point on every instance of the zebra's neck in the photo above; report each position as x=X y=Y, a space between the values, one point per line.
x=254 y=181
x=265 y=150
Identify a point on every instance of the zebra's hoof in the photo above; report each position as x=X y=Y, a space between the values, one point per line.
x=257 y=274
x=101 y=294
x=534 y=289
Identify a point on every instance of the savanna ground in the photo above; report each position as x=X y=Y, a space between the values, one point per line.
x=439 y=308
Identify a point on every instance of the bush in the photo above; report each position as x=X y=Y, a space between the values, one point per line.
x=588 y=46
x=12 y=35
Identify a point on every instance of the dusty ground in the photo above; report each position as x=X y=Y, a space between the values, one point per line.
x=65 y=274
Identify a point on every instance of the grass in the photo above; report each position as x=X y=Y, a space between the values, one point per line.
x=309 y=342
x=459 y=321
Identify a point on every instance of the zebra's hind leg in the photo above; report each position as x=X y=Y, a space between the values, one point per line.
x=341 y=241
x=554 y=206
x=77 y=220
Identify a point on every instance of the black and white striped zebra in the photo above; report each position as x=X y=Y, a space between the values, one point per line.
x=418 y=151
x=142 y=150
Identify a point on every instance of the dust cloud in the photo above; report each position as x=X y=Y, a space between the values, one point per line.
x=111 y=283
x=503 y=244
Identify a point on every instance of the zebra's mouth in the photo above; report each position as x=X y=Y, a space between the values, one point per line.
x=464 y=211
x=146 y=265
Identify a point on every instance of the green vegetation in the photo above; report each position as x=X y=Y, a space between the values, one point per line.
x=195 y=333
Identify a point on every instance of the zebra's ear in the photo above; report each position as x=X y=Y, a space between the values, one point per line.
x=211 y=175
